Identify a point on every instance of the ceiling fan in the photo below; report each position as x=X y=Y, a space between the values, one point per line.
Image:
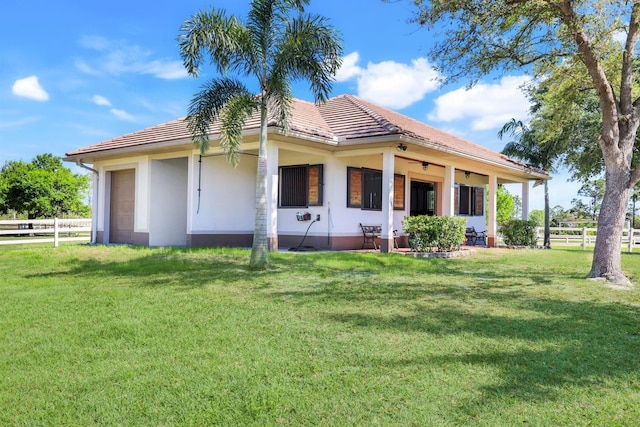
x=425 y=165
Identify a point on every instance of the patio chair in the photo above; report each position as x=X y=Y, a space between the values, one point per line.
x=474 y=237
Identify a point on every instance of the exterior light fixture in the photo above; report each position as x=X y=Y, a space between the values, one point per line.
x=467 y=174
x=425 y=166
x=401 y=147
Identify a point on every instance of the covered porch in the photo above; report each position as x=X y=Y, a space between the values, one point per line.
x=380 y=185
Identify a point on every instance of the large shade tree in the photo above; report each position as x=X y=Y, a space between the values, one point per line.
x=477 y=37
x=278 y=43
x=42 y=188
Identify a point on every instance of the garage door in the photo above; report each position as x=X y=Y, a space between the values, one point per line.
x=122 y=206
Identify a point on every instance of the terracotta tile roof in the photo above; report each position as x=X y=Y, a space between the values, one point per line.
x=305 y=118
x=422 y=131
x=169 y=131
x=349 y=118
x=342 y=119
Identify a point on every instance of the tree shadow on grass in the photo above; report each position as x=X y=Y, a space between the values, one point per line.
x=571 y=344
x=144 y=267
x=371 y=277
x=557 y=344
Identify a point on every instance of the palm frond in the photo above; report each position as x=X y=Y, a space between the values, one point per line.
x=207 y=105
x=280 y=99
x=212 y=32
x=262 y=23
x=529 y=145
x=310 y=49
x=233 y=116
x=513 y=127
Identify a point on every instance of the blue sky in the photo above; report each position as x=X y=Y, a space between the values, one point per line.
x=77 y=73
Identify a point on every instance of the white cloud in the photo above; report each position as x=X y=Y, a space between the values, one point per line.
x=121 y=114
x=166 y=70
x=486 y=106
x=620 y=36
x=101 y=100
x=390 y=83
x=29 y=87
x=118 y=57
x=349 y=69
x=96 y=43
x=18 y=123
x=85 y=68
x=104 y=102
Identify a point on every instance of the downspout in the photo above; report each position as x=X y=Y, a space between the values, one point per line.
x=96 y=200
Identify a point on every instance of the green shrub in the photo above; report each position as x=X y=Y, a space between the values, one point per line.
x=427 y=232
x=519 y=232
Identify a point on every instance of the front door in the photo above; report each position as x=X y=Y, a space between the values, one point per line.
x=423 y=198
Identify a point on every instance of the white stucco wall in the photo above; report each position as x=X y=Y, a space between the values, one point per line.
x=227 y=195
x=336 y=218
x=226 y=201
x=168 y=202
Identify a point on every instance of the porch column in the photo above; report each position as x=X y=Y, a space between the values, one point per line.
x=388 y=168
x=448 y=191
x=525 y=200
x=492 y=225
x=272 y=195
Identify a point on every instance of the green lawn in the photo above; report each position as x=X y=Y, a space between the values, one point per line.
x=135 y=336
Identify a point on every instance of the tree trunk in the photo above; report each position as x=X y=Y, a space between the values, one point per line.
x=260 y=248
x=547 y=214
x=607 y=252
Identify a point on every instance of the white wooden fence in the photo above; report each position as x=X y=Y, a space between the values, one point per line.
x=586 y=237
x=20 y=232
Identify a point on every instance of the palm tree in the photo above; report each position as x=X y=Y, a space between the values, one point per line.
x=278 y=43
x=528 y=147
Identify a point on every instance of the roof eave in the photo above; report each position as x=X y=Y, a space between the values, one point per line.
x=142 y=148
x=163 y=146
x=533 y=172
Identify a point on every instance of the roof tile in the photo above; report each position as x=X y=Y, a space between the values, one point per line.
x=342 y=118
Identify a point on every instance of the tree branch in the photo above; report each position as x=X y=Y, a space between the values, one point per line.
x=610 y=133
x=627 y=77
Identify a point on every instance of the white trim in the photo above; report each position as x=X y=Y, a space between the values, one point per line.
x=448 y=191
x=525 y=200
x=492 y=205
x=388 y=173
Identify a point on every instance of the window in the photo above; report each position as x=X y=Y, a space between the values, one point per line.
x=364 y=189
x=300 y=186
x=464 y=206
x=371 y=189
x=469 y=200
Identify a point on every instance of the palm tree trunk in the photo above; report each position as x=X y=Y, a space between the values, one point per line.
x=260 y=248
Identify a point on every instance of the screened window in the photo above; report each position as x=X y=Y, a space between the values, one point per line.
x=469 y=200
x=300 y=186
x=364 y=189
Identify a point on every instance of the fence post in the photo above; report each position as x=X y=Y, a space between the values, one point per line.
x=584 y=238
x=631 y=231
x=55 y=232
